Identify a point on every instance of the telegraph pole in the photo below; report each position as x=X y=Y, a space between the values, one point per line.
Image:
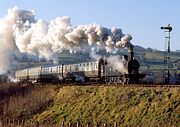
x=167 y=31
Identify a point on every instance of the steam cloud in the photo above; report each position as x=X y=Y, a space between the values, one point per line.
x=118 y=64
x=21 y=33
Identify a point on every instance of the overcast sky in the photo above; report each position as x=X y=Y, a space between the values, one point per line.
x=140 y=18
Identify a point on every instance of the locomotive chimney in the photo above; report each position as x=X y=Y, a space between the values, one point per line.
x=132 y=55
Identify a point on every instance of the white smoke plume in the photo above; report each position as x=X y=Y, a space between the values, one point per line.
x=20 y=33
x=8 y=49
x=118 y=64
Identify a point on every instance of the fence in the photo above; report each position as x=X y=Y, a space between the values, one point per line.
x=6 y=122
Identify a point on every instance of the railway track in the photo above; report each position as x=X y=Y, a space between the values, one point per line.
x=120 y=85
x=127 y=85
x=149 y=85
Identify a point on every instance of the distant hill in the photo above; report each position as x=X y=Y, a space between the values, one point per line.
x=150 y=59
x=154 y=60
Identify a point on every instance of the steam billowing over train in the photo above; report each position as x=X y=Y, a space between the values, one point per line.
x=23 y=35
x=93 y=71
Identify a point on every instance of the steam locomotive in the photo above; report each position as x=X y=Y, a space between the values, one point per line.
x=91 y=71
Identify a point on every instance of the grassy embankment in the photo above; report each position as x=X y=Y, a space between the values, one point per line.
x=109 y=104
x=106 y=104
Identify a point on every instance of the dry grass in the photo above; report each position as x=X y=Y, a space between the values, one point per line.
x=21 y=101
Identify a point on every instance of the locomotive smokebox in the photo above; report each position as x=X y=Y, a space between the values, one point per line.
x=132 y=55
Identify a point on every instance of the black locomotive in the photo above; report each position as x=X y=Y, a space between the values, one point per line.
x=133 y=70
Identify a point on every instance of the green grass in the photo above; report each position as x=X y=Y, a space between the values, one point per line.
x=127 y=106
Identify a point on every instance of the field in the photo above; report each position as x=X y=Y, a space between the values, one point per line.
x=125 y=106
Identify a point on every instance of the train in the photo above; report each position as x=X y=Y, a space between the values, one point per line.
x=83 y=72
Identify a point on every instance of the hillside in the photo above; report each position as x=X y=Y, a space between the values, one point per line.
x=128 y=106
x=150 y=60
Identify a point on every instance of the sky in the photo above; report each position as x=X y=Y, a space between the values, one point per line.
x=140 y=18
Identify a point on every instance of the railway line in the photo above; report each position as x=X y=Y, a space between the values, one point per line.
x=112 y=84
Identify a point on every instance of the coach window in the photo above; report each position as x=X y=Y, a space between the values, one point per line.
x=95 y=65
x=83 y=64
x=76 y=68
x=59 y=68
x=110 y=69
